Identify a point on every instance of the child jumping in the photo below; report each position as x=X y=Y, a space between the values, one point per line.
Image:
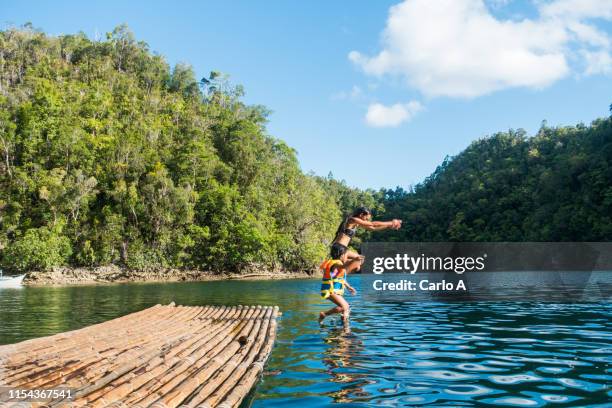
x=333 y=284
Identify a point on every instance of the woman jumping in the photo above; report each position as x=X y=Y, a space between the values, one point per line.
x=361 y=217
x=344 y=261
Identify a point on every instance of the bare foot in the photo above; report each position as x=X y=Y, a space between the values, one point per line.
x=321 y=317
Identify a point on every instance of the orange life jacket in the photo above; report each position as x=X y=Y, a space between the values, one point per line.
x=327 y=267
x=333 y=277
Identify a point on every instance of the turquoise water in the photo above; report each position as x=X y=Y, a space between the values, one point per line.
x=523 y=352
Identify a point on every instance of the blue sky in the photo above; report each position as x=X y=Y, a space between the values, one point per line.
x=376 y=92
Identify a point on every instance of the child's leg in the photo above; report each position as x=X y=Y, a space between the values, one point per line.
x=343 y=305
x=331 y=311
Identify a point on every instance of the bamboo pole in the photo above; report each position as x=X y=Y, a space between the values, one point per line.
x=177 y=391
x=162 y=356
x=242 y=388
x=155 y=367
x=137 y=356
x=54 y=347
x=128 y=361
x=58 y=373
x=220 y=383
x=132 y=349
x=220 y=341
x=34 y=347
x=160 y=359
x=76 y=354
x=78 y=350
x=31 y=344
x=36 y=364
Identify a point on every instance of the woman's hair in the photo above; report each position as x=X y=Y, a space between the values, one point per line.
x=360 y=211
x=356 y=213
x=341 y=227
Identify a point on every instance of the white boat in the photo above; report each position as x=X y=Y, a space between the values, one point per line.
x=10 y=281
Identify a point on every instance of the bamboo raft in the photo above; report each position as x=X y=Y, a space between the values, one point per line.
x=163 y=356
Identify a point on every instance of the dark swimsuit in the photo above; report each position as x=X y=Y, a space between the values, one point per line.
x=337 y=249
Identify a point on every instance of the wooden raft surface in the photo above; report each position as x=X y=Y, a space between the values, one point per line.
x=163 y=356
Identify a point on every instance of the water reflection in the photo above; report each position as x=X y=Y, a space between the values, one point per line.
x=341 y=359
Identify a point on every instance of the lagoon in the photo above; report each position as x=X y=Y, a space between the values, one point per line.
x=521 y=351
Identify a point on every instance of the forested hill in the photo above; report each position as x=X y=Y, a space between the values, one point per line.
x=554 y=186
x=110 y=156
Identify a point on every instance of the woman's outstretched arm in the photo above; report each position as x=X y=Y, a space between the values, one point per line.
x=376 y=225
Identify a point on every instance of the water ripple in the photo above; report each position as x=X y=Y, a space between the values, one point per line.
x=427 y=352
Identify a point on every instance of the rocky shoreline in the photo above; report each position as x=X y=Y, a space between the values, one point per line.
x=114 y=274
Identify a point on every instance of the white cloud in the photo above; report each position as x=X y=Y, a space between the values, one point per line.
x=577 y=9
x=598 y=62
x=457 y=48
x=379 y=115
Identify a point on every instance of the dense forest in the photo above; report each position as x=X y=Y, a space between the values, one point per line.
x=554 y=186
x=110 y=156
